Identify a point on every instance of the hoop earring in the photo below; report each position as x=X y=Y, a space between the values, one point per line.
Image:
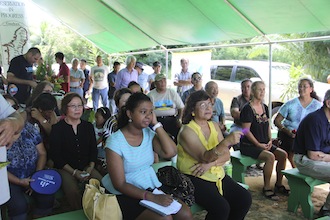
x=129 y=120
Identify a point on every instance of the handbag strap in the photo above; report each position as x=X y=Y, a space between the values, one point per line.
x=96 y=198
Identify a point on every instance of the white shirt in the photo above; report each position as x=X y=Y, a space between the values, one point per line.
x=99 y=74
x=5 y=111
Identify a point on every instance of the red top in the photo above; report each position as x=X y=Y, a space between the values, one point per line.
x=64 y=71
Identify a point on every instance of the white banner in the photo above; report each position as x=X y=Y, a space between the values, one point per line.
x=14 y=33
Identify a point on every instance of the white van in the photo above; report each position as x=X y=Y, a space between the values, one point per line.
x=228 y=74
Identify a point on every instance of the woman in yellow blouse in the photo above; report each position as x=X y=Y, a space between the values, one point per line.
x=202 y=151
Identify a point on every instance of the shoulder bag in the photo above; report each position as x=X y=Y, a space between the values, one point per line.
x=98 y=205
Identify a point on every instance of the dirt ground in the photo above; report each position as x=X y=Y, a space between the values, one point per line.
x=262 y=208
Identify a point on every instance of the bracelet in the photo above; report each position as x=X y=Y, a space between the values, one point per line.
x=145 y=195
x=216 y=152
x=158 y=125
x=74 y=172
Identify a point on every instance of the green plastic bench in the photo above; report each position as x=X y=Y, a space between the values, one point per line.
x=240 y=163
x=301 y=187
x=78 y=214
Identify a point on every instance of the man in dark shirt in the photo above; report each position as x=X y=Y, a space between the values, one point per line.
x=83 y=64
x=112 y=83
x=20 y=73
x=238 y=102
x=312 y=147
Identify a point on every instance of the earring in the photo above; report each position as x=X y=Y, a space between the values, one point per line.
x=193 y=114
x=129 y=120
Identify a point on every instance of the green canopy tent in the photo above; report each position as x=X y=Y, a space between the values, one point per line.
x=128 y=25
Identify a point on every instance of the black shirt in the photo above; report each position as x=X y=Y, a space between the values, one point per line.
x=77 y=150
x=22 y=69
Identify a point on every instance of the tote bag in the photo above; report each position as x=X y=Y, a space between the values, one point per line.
x=98 y=205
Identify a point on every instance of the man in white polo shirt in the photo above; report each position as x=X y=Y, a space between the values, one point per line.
x=183 y=79
x=168 y=106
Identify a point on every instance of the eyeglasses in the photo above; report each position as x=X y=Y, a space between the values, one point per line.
x=75 y=106
x=204 y=105
x=197 y=78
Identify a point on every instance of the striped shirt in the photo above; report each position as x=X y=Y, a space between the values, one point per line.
x=137 y=160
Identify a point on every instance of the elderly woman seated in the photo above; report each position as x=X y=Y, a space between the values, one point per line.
x=27 y=155
x=202 y=151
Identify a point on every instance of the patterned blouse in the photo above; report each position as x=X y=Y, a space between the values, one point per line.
x=23 y=155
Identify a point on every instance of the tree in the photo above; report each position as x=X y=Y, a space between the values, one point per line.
x=52 y=38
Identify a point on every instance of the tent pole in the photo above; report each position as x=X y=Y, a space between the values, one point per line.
x=166 y=59
x=322 y=38
x=269 y=82
x=166 y=56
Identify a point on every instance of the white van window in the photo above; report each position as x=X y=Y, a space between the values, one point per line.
x=221 y=72
x=245 y=73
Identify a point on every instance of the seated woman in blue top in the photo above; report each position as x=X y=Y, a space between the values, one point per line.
x=129 y=153
x=27 y=155
x=292 y=112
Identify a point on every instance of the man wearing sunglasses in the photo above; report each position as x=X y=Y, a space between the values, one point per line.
x=196 y=80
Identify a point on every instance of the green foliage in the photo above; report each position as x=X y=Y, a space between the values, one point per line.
x=43 y=72
x=52 y=38
x=88 y=115
x=291 y=88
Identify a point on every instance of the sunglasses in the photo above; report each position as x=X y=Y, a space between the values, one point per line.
x=196 y=78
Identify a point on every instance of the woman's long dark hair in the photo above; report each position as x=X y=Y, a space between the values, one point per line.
x=193 y=98
x=119 y=93
x=37 y=91
x=132 y=103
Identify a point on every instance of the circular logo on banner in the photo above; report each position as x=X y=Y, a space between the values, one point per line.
x=46 y=181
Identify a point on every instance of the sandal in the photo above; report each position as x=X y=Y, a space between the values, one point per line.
x=282 y=190
x=269 y=194
x=323 y=212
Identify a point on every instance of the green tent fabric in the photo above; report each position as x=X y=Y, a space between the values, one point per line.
x=128 y=25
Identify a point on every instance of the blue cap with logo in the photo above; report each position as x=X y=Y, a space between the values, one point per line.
x=46 y=181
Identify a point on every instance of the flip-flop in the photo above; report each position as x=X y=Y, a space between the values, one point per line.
x=269 y=194
x=282 y=190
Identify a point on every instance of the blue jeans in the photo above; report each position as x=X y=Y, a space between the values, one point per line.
x=77 y=90
x=96 y=97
